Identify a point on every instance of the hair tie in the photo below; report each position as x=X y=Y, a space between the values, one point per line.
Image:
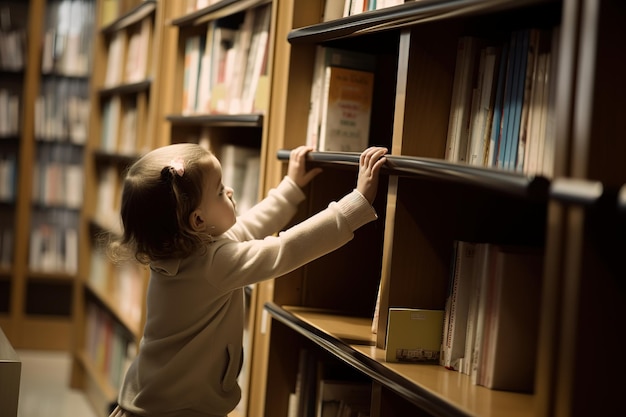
x=177 y=166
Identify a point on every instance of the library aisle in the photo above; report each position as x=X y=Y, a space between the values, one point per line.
x=44 y=386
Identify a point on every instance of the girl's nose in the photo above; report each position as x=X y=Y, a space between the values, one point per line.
x=229 y=191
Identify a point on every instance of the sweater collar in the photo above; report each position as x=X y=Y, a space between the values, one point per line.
x=168 y=267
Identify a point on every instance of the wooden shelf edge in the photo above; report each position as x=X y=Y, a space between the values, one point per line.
x=395 y=17
x=218 y=120
x=418 y=395
x=127 y=88
x=111 y=305
x=505 y=182
x=215 y=11
x=143 y=10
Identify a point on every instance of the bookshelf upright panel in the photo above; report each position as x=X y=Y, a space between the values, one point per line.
x=123 y=96
x=542 y=191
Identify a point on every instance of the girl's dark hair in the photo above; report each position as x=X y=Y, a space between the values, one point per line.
x=158 y=198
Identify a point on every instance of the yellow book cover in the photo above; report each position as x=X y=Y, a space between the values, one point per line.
x=414 y=335
x=346 y=110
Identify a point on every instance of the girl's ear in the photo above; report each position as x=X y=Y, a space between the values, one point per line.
x=196 y=221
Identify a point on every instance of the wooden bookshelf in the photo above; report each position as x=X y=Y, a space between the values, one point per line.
x=39 y=311
x=232 y=126
x=573 y=214
x=124 y=96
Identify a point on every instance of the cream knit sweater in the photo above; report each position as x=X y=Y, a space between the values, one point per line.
x=191 y=351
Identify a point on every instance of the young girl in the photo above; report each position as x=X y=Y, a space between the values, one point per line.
x=179 y=219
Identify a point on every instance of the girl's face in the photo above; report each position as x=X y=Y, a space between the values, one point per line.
x=218 y=206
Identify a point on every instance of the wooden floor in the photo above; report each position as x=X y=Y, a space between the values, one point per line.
x=44 y=387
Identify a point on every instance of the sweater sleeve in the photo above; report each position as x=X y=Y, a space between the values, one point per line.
x=269 y=215
x=243 y=263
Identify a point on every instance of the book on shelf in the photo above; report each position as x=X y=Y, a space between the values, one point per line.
x=13 y=36
x=108 y=198
x=138 y=52
x=413 y=335
x=346 y=109
x=110 y=124
x=115 y=59
x=58 y=175
x=460 y=107
x=503 y=288
x=352 y=7
x=8 y=176
x=482 y=107
x=194 y=45
x=540 y=139
x=128 y=133
x=302 y=400
x=512 y=324
x=457 y=306
x=241 y=47
x=513 y=99
x=6 y=246
x=222 y=62
x=327 y=57
x=333 y=9
x=225 y=71
x=240 y=167
x=9 y=113
x=67 y=38
x=256 y=66
x=108 y=345
x=62 y=110
x=496 y=109
x=54 y=242
x=337 y=398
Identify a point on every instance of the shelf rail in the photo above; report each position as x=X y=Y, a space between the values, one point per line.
x=423 y=398
x=506 y=182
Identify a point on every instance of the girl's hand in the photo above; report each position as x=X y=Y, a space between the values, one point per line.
x=297 y=166
x=370 y=162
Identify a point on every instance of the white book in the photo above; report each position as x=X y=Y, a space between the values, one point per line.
x=456 y=146
x=234 y=160
x=191 y=73
x=115 y=55
x=242 y=48
x=256 y=57
x=479 y=134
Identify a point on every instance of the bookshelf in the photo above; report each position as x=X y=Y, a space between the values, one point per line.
x=42 y=150
x=123 y=96
x=571 y=213
x=112 y=311
x=13 y=68
x=225 y=49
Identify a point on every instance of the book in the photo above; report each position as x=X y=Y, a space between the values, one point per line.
x=498 y=104
x=482 y=112
x=193 y=50
x=529 y=87
x=242 y=49
x=457 y=306
x=138 y=54
x=336 y=395
x=333 y=9
x=115 y=60
x=325 y=57
x=460 y=106
x=240 y=167
x=413 y=335
x=510 y=349
x=257 y=55
x=222 y=65
x=346 y=109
